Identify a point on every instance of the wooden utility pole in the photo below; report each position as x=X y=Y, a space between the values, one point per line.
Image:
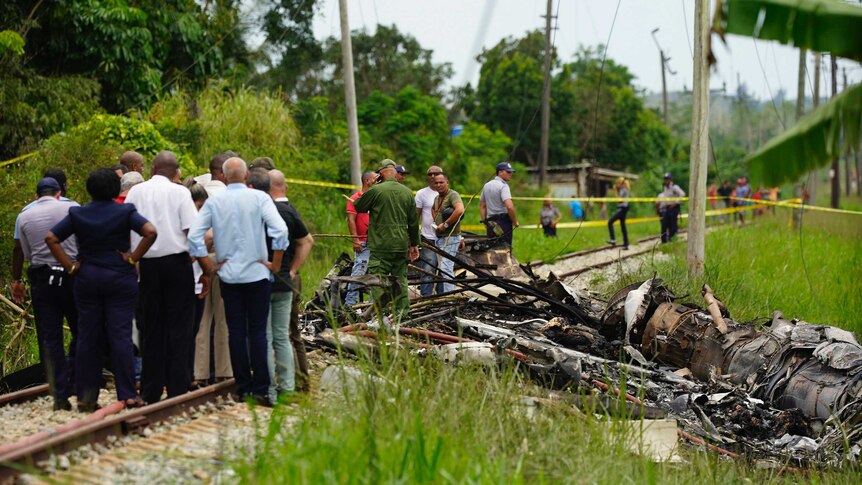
x=699 y=143
x=350 y=97
x=546 y=101
x=836 y=182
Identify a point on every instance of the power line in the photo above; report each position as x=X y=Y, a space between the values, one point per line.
x=602 y=74
x=768 y=88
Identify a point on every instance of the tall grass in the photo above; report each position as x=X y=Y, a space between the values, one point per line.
x=409 y=420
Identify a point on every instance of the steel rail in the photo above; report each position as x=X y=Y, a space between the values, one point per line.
x=25 y=458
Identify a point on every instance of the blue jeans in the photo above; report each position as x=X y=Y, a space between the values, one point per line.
x=246 y=308
x=447 y=266
x=280 y=351
x=428 y=262
x=360 y=267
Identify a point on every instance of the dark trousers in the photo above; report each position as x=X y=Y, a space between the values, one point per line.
x=505 y=224
x=53 y=300
x=168 y=306
x=246 y=308
x=619 y=216
x=106 y=305
x=296 y=338
x=669 y=223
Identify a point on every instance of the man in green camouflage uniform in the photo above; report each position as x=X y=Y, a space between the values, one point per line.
x=393 y=232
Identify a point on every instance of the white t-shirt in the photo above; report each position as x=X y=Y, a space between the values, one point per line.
x=425 y=201
x=169 y=207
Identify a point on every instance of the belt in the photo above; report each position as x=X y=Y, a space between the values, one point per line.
x=499 y=217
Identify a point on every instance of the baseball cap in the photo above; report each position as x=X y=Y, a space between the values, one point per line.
x=386 y=163
x=262 y=162
x=47 y=186
x=505 y=166
x=401 y=169
x=667 y=175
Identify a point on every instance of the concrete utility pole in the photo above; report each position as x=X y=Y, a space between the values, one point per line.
x=846 y=152
x=546 y=101
x=798 y=188
x=699 y=143
x=664 y=68
x=813 y=179
x=350 y=97
x=836 y=182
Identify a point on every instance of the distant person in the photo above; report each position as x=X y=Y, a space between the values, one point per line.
x=622 y=189
x=496 y=208
x=106 y=285
x=167 y=286
x=400 y=173
x=393 y=235
x=265 y=163
x=199 y=197
x=240 y=218
x=576 y=209
x=50 y=288
x=133 y=161
x=712 y=196
x=357 y=224
x=549 y=216
x=425 y=198
x=671 y=208
x=120 y=169
x=128 y=181
x=743 y=191
x=448 y=210
x=724 y=192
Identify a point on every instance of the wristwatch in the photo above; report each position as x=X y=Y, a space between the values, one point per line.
x=445 y=225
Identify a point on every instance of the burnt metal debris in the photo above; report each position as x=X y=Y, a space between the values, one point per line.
x=783 y=392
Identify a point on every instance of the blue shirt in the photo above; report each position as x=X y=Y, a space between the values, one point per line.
x=102 y=230
x=237 y=217
x=17 y=234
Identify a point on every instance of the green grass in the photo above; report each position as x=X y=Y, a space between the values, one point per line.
x=421 y=421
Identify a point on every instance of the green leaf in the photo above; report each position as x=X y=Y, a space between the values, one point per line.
x=820 y=25
x=812 y=142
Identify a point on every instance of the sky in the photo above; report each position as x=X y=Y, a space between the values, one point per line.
x=450 y=29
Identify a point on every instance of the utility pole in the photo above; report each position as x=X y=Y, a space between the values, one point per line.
x=546 y=101
x=836 y=183
x=799 y=188
x=813 y=179
x=350 y=97
x=846 y=152
x=699 y=143
x=664 y=67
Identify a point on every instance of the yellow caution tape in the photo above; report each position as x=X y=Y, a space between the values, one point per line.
x=17 y=159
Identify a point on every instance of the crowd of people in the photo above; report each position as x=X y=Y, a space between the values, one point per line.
x=172 y=284
x=199 y=278
x=386 y=221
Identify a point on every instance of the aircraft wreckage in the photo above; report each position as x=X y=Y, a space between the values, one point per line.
x=781 y=391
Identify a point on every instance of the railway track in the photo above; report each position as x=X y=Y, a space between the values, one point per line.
x=108 y=424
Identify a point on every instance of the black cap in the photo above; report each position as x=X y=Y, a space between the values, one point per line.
x=667 y=175
x=400 y=169
x=47 y=186
x=505 y=166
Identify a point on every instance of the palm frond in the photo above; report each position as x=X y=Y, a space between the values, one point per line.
x=812 y=142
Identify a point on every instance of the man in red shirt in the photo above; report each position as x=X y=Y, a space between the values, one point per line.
x=358 y=225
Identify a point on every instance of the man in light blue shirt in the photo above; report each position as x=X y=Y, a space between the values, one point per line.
x=237 y=217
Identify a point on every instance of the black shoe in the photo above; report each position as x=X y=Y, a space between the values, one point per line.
x=262 y=401
x=625 y=248
x=62 y=404
x=612 y=242
x=88 y=407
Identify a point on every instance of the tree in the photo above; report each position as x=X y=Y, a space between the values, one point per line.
x=386 y=61
x=412 y=124
x=596 y=113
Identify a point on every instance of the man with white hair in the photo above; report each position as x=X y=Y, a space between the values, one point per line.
x=129 y=180
x=237 y=217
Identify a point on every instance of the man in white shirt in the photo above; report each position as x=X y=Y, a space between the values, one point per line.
x=167 y=287
x=428 y=258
